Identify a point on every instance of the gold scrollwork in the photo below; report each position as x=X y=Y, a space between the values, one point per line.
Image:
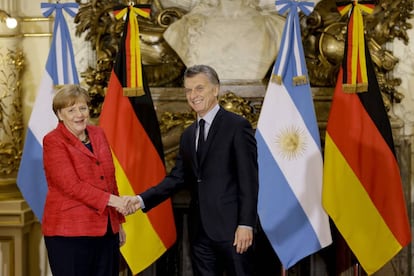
x=161 y=64
x=11 y=122
x=323 y=34
x=172 y=124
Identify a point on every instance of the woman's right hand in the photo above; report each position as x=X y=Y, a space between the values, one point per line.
x=126 y=205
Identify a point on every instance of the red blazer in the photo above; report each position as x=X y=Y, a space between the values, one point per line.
x=79 y=184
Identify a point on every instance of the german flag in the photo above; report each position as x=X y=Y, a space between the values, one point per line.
x=362 y=190
x=133 y=132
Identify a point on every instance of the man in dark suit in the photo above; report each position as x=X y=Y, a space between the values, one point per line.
x=222 y=174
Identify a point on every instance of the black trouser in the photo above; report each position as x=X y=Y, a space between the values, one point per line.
x=212 y=258
x=84 y=256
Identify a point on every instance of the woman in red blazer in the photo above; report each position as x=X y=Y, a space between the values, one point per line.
x=81 y=225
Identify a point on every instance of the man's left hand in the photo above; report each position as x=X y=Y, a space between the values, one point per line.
x=243 y=239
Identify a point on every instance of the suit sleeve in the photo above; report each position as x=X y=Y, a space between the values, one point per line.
x=247 y=170
x=167 y=187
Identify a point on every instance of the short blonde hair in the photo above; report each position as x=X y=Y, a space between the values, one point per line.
x=68 y=95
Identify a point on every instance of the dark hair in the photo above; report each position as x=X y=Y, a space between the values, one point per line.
x=203 y=69
x=68 y=95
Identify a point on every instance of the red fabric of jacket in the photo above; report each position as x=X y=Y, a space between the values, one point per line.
x=79 y=184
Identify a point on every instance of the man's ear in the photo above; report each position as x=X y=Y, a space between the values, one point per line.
x=216 y=90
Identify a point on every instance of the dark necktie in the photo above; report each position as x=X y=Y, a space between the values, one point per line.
x=200 y=142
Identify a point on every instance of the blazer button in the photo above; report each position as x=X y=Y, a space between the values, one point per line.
x=102 y=177
x=199 y=180
x=97 y=163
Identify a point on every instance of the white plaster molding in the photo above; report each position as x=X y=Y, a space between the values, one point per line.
x=405 y=71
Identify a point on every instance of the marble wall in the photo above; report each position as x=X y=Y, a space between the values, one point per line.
x=405 y=110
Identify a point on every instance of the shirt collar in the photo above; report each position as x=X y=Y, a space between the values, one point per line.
x=209 y=117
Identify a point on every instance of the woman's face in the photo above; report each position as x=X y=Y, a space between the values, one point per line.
x=75 y=117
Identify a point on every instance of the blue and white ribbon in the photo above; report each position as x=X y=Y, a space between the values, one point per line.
x=291 y=42
x=61 y=47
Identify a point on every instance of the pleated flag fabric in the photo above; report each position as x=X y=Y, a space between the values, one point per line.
x=60 y=69
x=132 y=129
x=289 y=152
x=362 y=190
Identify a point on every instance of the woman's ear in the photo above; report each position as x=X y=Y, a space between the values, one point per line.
x=58 y=115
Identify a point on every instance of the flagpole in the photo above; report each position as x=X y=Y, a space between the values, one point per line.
x=356 y=269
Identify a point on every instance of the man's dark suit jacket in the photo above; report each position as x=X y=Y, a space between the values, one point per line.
x=223 y=186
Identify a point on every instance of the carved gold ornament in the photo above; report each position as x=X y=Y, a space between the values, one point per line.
x=11 y=121
x=322 y=34
x=161 y=64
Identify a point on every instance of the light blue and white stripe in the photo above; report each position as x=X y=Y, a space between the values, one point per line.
x=290 y=160
x=291 y=37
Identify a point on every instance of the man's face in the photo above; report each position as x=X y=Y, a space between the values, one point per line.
x=201 y=93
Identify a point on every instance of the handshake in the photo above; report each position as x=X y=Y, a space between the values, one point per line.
x=126 y=205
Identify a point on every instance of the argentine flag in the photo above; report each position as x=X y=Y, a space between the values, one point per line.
x=289 y=152
x=60 y=69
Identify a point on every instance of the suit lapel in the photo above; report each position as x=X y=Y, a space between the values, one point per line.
x=214 y=129
x=193 y=132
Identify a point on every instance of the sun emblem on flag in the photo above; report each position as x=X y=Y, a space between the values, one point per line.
x=291 y=142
